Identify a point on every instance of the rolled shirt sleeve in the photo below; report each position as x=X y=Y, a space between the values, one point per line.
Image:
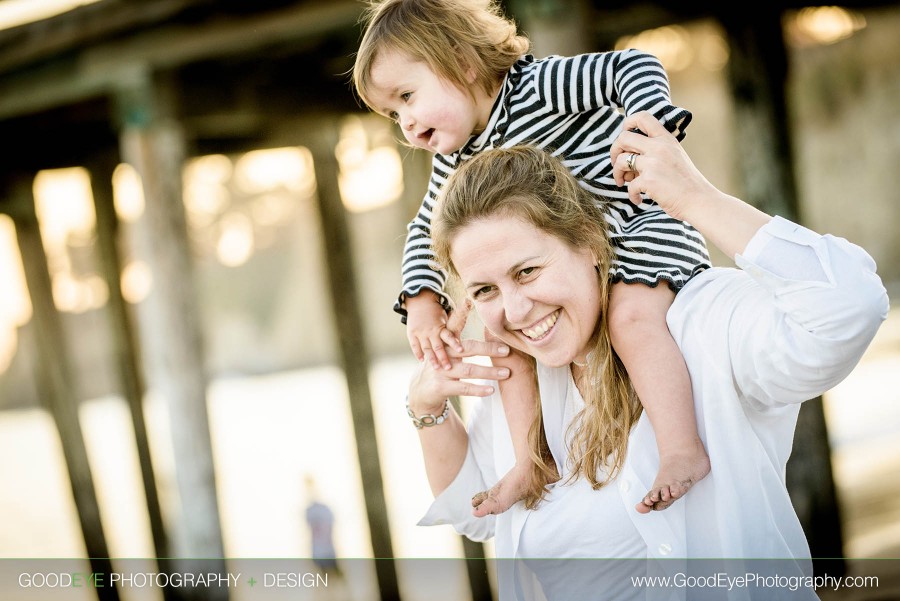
x=828 y=305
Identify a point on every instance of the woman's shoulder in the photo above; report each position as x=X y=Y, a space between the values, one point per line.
x=702 y=308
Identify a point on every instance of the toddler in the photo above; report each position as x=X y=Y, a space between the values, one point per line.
x=456 y=77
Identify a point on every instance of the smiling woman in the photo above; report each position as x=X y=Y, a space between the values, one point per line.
x=791 y=323
x=530 y=269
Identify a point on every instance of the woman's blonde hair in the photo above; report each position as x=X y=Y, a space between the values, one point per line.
x=527 y=183
x=451 y=36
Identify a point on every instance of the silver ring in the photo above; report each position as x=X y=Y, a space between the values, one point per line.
x=630 y=161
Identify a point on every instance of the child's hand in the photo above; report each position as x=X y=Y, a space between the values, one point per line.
x=428 y=329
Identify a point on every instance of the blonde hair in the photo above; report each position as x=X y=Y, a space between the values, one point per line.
x=527 y=183
x=451 y=36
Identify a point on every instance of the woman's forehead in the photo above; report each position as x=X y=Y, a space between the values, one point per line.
x=491 y=246
x=487 y=231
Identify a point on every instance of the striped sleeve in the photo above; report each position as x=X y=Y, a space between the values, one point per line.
x=419 y=269
x=629 y=79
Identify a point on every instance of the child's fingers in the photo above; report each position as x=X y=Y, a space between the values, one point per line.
x=416 y=348
x=451 y=340
x=440 y=354
x=428 y=355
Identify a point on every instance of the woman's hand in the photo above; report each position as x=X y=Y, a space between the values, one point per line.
x=656 y=165
x=660 y=168
x=430 y=387
x=444 y=446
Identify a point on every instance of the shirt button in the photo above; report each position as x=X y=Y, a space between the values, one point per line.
x=624 y=486
x=665 y=548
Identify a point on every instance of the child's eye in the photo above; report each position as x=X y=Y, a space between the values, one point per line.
x=394 y=116
x=405 y=96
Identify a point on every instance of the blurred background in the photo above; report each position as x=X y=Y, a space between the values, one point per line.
x=200 y=241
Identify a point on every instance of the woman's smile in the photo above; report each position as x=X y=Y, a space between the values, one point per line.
x=541 y=330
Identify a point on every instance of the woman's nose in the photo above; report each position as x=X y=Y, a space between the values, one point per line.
x=517 y=306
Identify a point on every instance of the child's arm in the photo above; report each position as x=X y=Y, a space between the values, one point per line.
x=423 y=305
x=630 y=79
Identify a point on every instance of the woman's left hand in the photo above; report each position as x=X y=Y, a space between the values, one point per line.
x=655 y=164
x=430 y=387
x=659 y=167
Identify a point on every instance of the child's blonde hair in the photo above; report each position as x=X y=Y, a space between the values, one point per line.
x=453 y=37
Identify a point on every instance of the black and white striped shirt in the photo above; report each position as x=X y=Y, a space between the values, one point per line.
x=571 y=107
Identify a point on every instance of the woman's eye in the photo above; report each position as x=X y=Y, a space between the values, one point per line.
x=481 y=292
x=527 y=271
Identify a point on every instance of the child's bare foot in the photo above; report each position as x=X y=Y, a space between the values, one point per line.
x=678 y=472
x=504 y=494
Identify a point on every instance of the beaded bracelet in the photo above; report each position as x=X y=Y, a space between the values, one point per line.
x=428 y=420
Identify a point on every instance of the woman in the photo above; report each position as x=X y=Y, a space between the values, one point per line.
x=791 y=323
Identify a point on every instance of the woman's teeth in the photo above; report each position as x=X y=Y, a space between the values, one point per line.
x=538 y=331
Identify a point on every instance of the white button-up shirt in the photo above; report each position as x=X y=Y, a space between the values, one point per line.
x=758 y=341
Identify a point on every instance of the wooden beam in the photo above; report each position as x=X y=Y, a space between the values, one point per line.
x=757 y=73
x=55 y=381
x=100 y=68
x=82 y=25
x=171 y=332
x=555 y=26
x=125 y=349
x=177 y=44
x=353 y=348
